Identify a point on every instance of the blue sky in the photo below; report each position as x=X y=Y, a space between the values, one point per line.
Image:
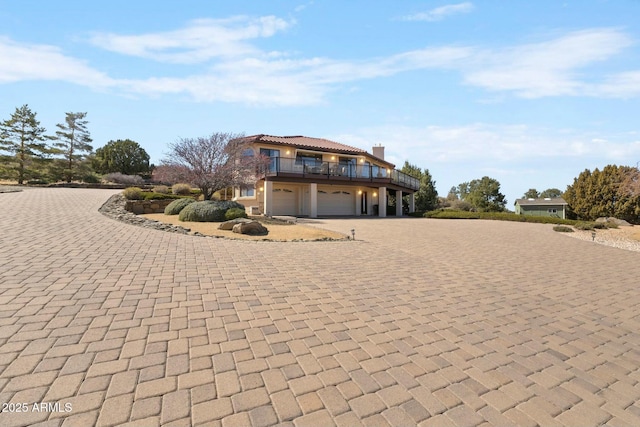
x=528 y=93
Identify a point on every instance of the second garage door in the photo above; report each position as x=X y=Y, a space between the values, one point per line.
x=285 y=200
x=332 y=201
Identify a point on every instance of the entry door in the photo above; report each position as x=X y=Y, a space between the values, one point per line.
x=363 y=203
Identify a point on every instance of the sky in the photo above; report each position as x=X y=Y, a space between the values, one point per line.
x=530 y=93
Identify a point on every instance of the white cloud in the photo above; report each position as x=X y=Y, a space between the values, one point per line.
x=439 y=13
x=200 y=41
x=551 y=68
x=227 y=67
x=21 y=61
x=488 y=143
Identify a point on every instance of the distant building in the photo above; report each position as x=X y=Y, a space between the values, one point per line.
x=554 y=207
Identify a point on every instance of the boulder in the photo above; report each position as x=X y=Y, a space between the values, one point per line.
x=228 y=225
x=615 y=221
x=253 y=228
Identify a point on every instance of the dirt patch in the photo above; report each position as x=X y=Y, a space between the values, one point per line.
x=282 y=232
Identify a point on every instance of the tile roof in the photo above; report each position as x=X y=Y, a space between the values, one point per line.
x=307 y=142
x=541 y=202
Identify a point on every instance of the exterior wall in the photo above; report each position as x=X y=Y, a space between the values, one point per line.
x=541 y=210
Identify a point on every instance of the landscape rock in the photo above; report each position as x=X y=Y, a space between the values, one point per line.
x=253 y=228
x=228 y=225
x=115 y=208
x=612 y=220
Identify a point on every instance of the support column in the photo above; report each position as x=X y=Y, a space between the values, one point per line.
x=382 y=202
x=313 y=195
x=412 y=202
x=268 y=198
x=358 y=202
x=398 y=203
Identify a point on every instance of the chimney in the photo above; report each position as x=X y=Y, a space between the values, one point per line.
x=378 y=151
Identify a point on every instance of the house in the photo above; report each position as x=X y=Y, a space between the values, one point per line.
x=555 y=207
x=317 y=177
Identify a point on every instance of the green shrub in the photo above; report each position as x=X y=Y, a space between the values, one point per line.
x=499 y=216
x=37 y=182
x=176 y=206
x=563 y=229
x=234 y=213
x=601 y=225
x=207 y=211
x=148 y=195
x=133 y=193
x=181 y=189
x=584 y=226
x=162 y=189
x=91 y=178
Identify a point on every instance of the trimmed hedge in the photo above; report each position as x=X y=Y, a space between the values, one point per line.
x=208 y=211
x=176 y=206
x=499 y=216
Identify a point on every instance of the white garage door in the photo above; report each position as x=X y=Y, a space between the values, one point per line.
x=333 y=201
x=285 y=200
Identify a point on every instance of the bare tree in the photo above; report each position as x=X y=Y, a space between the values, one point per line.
x=214 y=162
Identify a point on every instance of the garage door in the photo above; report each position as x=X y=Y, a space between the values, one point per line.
x=285 y=200
x=336 y=202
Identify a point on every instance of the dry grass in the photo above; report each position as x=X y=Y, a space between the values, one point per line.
x=276 y=231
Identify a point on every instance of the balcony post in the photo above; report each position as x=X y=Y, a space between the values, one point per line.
x=382 y=202
x=398 y=203
x=412 y=202
x=313 y=193
x=268 y=198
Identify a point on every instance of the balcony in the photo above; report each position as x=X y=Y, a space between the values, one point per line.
x=316 y=170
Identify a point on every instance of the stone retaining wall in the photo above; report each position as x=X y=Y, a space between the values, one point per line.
x=147 y=206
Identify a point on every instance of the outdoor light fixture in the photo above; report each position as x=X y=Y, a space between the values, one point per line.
x=593 y=236
x=359 y=191
x=353 y=234
x=375 y=194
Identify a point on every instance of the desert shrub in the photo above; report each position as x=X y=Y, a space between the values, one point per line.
x=601 y=225
x=234 y=213
x=133 y=193
x=162 y=189
x=499 y=216
x=120 y=178
x=461 y=205
x=206 y=211
x=176 y=206
x=181 y=189
x=562 y=229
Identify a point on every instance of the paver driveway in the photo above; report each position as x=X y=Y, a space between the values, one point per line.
x=425 y=322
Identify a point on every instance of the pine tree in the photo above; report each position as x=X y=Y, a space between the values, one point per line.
x=22 y=138
x=73 y=145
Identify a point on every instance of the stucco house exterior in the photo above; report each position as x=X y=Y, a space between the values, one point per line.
x=554 y=207
x=316 y=177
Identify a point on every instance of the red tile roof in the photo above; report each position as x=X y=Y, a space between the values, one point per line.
x=307 y=142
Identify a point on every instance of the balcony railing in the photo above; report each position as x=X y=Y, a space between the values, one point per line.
x=340 y=171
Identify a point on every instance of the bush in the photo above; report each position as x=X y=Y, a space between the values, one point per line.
x=234 y=213
x=500 y=216
x=562 y=229
x=181 y=189
x=148 y=195
x=176 y=206
x=206 y=211
x=133 y=193
x=120 y=178
x=37 y=182
x=162 y=189
x=91 y=178
x=584 y=226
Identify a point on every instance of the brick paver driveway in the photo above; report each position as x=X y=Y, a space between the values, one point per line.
x=425 y=322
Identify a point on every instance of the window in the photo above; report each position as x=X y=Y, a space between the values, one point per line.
x=309 y=159
x=247 y=192
x=274 y=155
x=552 y=210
